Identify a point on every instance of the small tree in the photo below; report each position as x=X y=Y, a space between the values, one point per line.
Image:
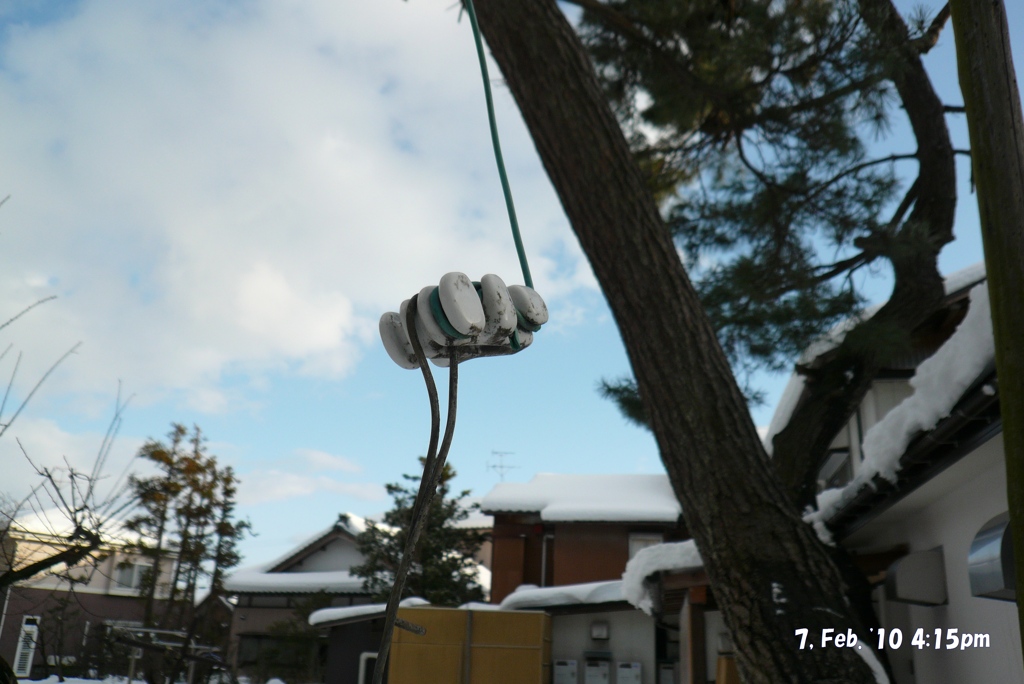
x=186 y=512
x=444 y=571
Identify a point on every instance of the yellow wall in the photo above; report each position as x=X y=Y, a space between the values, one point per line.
x=472 y=647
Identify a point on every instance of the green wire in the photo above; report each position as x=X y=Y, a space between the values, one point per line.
x=497 y=145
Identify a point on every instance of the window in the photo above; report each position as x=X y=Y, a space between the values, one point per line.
x=270 y=602
x=26 y=649
x=641 y=540
x=129 y=575
x=837 y=471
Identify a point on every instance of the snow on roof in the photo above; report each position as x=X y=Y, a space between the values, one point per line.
x=589 y=498
x=938 y=384
x=954 y=282
x=253 y=581
x=671 y=556
x=477 y=520
x=348 y=522
x=347 y=613
x=374 y=610
x=965 y=278
x=55 y=523
x=531 y=596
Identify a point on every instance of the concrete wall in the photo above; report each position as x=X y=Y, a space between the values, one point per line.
x=949 y=511
x=631 y=639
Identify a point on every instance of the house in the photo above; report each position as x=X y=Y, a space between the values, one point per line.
x=269 y=634
x=59 y=615
x=573 y=529
x=561 y=544
x=915 y=490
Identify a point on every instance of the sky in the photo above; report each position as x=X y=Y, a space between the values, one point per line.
x=224 y=197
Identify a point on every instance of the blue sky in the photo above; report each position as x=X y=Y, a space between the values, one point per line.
x=225 y=197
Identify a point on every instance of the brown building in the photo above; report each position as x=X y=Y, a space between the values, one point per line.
x=570 y=529
x=56 y=616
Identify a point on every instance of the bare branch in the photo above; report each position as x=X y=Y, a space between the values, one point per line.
x=4 y=426
x=25 y=311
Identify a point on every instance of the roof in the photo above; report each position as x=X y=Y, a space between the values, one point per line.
x=346 y=614
x=955 y=284
x=591 y=593
x=335 y=617
x=57 y=525
x=956 y=381
x=347 y=525
x=657 y=558
x=273 y=578
x=255 y=581
x=588 y=498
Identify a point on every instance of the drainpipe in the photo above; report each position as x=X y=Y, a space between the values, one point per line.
x=544 y=558
x=3 y=616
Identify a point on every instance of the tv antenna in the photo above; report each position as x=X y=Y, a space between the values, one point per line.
x=501 y=467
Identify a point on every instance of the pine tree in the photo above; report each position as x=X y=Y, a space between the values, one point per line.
x=770 y=573
x=444 y=571
x=752 y=121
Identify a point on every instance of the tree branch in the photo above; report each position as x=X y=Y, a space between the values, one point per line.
x=931 y=37
x=70 y=557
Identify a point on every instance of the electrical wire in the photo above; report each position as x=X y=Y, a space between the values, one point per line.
x=433 y=467
x=527 y=279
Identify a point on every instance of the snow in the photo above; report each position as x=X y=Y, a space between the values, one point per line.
x=326 y=615
x=954 y=282
x=784 y=410
x=938 y=384
x=964 y=278
x=319 y=617
x=477 y=520
x=256 y=581
x=657 y=558
x=606 y=498
x=871 y=659
x=532 y=596
x=476 y=605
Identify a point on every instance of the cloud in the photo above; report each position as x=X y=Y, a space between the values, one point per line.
x=321 y=460
x=262 y=487
x=214 y=190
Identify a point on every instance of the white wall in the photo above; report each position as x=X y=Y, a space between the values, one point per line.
x=631 y=632
x=340 y=554
x=948 y=512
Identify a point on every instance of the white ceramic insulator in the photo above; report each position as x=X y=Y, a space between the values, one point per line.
x=461 y=303
x=427 y=327
x=441 y=361
x=499 y=312
x=529 y=304
x=396 y=342
x=429 y=350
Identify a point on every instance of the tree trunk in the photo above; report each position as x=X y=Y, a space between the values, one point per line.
x=770 y=573
x=996 y=127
